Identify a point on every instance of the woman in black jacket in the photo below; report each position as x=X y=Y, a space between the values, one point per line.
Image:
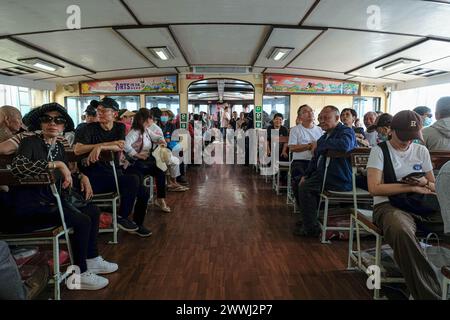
x=38 y=154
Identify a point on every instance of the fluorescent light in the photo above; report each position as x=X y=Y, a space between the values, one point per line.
x=41 y=64
x=279 y=54
x=162 y=53
x=398 y=63
x=44 y=66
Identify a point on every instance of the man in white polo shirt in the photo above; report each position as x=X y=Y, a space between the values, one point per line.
x=302 y=142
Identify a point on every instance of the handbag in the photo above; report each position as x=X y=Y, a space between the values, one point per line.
x=141 y=165
x=420 y=204
x=73 y=197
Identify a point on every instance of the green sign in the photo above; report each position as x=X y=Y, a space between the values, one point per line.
x=183 y=117
x=258 y=116
x=258 y=109
x=258 y=125
x=183 y=125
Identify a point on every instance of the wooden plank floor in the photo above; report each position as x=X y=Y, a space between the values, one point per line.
x=229 y=237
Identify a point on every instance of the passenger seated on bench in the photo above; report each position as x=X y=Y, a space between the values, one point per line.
x=138 y=146
x=399 y=227
x=277 y=124
x=11 y=145
x=109 y=135
x=337 y=137
x=168 y=127
x=348 y=118
x=36 y=155
x=10 y=122
x=302 y=143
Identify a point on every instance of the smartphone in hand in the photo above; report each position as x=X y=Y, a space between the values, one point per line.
x=414 y=176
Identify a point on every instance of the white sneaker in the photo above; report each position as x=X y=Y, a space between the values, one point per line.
x=99 y=265
x=91 y=281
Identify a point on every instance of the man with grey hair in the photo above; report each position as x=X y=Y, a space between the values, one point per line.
x=10 y=122
x=337 y=137
x=371 y=135
x=437 y=136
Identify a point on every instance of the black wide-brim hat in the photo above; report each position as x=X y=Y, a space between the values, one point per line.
x=34 y=122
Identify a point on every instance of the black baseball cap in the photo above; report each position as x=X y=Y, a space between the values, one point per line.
x=91 y=109
x=109 y=103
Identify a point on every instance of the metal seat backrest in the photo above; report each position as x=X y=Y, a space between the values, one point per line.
x=439 y=158
x=330 y=154
x=359 y=158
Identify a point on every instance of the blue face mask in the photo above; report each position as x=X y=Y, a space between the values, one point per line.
x=383 y=137
x=164 y=119
x=427 y=122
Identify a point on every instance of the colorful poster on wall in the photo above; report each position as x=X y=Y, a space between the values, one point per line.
x=295 y=84
x=153 y=84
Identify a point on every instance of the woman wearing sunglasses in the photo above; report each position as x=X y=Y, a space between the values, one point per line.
x=36 y=155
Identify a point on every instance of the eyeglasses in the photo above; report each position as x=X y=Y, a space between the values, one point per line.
x=56 y=120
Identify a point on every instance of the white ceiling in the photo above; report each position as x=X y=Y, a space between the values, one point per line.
x=133 y=72
x=424 y=18
x=220 y=44
x=12 y=51
x=441 y=64
x=372 y=80
x=312 y=73
x=97 y=49
x=67 y=80
x=340 y=51
x=155 y=37
x=290 y=38
x=333 y=38
x=425 y=52
x=18 y=16
x=214 y=11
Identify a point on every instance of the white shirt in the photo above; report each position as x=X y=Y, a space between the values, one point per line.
x=151 y=134
x=132 y=137
x=155 y=132
x=225 y=120
x=301 y=135
x=415 y=159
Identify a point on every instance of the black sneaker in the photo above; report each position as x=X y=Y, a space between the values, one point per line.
x=126 y=224
x=143 y=232
x=300 y=232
